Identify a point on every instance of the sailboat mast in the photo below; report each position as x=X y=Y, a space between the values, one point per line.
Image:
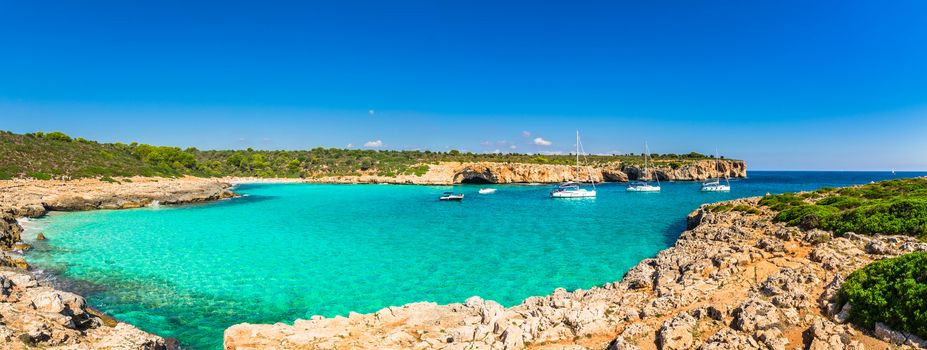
x=577 y=153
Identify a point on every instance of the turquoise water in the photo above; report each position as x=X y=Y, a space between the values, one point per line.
x=283 y=252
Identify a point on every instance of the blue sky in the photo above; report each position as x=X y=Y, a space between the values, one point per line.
x=783 y=84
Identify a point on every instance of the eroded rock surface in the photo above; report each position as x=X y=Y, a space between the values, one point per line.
x=500 y=173
x=34 y=315
x=732 y=281
x=38 y=316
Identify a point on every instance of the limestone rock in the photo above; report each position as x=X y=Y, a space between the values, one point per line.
x=754 y=315
x=676 y=333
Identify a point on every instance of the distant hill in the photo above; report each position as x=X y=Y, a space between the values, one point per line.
x=54 y=154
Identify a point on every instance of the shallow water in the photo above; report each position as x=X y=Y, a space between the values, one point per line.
x=292 y=251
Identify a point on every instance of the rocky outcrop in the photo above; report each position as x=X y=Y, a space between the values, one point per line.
x=33 y=315
x=37 y=316
x=502 y=173
x=30 y=198
x=733 y=280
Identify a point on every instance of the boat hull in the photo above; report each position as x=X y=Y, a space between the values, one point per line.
x=644 y=189
x=572 y=194
x=719 y=188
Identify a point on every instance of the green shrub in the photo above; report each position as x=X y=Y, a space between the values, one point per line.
x=808 y=216
x=746 y=209
x=891 y=291
x=888 y=207
x=39 y=176
x=58 y=136
x=906 y=216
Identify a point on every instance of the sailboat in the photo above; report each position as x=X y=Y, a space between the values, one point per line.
x=573 y=189
x=715 y=185
x=642 y=185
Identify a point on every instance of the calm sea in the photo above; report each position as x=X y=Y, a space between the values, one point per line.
x=283 y=252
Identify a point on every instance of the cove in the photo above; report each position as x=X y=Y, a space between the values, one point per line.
x=282 y=252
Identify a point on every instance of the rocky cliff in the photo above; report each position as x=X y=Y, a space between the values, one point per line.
x=502 y=173
x=34 y=314
x=733 y=280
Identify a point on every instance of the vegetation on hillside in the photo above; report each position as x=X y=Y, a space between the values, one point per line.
x=891 y=291
x=55 y=154
x=887 y=207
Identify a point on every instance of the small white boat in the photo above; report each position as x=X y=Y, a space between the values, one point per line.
x=451 y=196
x=572 y=189
x=641 y=185
x=487 y=190
x=715 y=186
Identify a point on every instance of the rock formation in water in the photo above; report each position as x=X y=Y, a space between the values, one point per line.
x=39 y=316
x=733 y=280
x=36 y=315
x=502 y=173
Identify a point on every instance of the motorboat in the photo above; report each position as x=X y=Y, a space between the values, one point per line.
x=487 y=190
x=573 y=189
x=451 y=196
x=641 y=185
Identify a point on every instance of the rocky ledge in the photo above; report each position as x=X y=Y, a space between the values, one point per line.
x=733 y=280
x=36 y=315
x=501 y=173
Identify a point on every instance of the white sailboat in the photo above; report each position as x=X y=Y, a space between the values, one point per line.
x=573 y=189
x=642 y=185
x=716 y=185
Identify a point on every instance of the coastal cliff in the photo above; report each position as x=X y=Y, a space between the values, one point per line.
x=34 y=313
x=735 y=279
x=447 y=173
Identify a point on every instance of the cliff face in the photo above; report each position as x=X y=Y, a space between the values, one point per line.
x=733 y=280
x=503 y=173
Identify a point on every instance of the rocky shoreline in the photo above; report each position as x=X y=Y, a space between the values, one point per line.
x=733 y=280
x=35 y=314
x=449 y=173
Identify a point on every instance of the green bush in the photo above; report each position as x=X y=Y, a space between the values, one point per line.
x=746 y=209
x=906 y=216
x=58 y=136
x=891 y=291
x=888 y=207
x=781 y=201
x=40 y=176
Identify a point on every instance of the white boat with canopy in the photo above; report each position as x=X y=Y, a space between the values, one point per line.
x=715 y=185
x=574 y=189
x=642 y=185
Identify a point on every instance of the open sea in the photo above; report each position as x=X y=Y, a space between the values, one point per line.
x=288 y=251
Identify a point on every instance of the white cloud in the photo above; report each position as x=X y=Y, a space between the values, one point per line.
x=526 y=133
x=497 y=151
x=350 y=145
x=542 y=142
x=374 y=144
x=513 y=147
x=371 y=112
x=552 y=153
